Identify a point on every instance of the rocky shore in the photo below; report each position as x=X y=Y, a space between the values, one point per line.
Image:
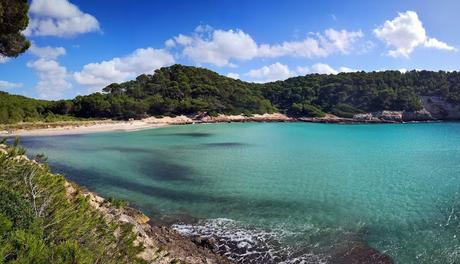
x=434 y=109
x=162 y=244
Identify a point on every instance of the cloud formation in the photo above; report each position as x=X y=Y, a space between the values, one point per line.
x=47 y=52
x=233 y=75
x=279 y=72
x=53 y=78
x=221 y=47
x=4 y=59
x=9 y=85
x=59 y=18
x=273 y=72
x=98 y=75
x=405 y=33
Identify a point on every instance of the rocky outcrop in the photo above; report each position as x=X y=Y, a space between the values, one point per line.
x=388 y=115
x=162 y=244
x=420 y=115
x=440 y=108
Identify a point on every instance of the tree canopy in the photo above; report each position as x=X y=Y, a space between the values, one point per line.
x=179 y=89
x=13 y=20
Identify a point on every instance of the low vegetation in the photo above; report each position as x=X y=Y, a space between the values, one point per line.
x=40 y=222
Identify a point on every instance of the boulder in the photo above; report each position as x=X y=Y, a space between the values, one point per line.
x=389 y=115
x=363 y=117
x=420 y=115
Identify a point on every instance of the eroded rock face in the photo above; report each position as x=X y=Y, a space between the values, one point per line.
x=439 y=108
x=421 y=115
x=389 y=115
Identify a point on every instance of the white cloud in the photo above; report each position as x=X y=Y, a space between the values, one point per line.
x=98 y=75
x=406 y=32
x=233 y=75
x=170 y=43
x=220 y=47
x=346 y=69
x=325 y=44
x=4 y=59
x=273 y=72
x=59 y=18
x=53 y=78
x=47 y=52
x=323 y=68
x=303 y=70
x=9 y=85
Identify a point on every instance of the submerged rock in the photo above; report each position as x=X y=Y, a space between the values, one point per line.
x=359 y=253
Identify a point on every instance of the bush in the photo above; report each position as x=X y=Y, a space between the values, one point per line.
x=345 y=110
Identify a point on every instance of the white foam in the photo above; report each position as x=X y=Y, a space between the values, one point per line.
x=249 y=245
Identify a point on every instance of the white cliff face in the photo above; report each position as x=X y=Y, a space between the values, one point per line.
x=439 y=108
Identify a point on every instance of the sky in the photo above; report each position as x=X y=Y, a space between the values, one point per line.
x=81 y=46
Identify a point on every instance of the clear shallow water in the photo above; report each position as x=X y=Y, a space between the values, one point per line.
x=284 y=191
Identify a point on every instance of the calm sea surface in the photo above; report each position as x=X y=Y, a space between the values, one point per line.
x=291 y=192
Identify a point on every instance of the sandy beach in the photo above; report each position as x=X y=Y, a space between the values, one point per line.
x=85 y=127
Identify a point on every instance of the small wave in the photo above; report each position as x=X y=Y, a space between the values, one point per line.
x=249 y=245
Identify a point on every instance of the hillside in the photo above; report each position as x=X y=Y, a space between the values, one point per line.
x=178 y=90
x=46 y=219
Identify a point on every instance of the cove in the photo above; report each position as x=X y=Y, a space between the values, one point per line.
x=284 y=191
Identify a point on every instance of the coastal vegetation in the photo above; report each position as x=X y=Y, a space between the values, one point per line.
x=179 y=89
x=40 y=222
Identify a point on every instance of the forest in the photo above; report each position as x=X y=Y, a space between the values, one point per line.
x=187 y=90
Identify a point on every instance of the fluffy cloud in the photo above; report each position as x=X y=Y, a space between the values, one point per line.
x=330 y=42
x=4 y=59
x=53 y=78
x=233 y=75
x=322 y=68
x=273 y=72
x=59 y=18
x=98 y=75
x=406 y=32
x=47 y=52
x=9 y=85
x=278 y=71
x=220 y=47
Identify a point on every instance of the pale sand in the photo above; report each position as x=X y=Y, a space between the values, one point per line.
x=147 y=123
x=83 y=129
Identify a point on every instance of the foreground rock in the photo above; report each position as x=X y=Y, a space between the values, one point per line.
x=162 y=244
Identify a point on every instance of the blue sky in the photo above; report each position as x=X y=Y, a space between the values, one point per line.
x=79 y=46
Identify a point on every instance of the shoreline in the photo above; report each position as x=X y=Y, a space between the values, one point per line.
x=96 y=126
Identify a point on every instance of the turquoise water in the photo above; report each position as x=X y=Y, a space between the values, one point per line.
x=291 y=191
